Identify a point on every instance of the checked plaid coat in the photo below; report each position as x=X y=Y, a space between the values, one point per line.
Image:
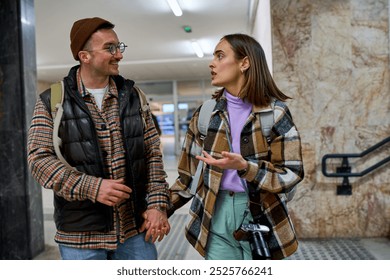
x=273 y=170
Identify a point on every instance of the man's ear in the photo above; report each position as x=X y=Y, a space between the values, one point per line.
x=84 y=56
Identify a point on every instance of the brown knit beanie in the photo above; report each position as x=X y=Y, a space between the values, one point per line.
x=82 y=31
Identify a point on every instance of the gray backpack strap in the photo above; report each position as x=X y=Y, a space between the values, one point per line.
x=267 y=121
x=205 y=115
x=203 y=124
x=56 y=101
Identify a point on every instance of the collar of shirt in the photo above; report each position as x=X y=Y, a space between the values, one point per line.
x=84 y=92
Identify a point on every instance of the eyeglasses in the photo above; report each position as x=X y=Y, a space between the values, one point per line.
x=112 y=48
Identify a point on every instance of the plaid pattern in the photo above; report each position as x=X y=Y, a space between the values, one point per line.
x=269 y=175
x=73 y=185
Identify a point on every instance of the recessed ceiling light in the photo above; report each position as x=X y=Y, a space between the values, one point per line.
x=175 y=7
x=197 y=49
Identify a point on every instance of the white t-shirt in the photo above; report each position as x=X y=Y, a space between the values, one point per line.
x=98 y=94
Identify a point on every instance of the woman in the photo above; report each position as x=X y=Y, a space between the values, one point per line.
x=245 y=179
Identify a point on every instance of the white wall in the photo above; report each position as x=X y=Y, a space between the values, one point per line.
x=262 y=29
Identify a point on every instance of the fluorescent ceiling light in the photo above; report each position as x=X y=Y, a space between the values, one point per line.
x=175 y=7
x=197 y=49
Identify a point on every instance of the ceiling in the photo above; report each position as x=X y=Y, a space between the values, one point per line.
x=158 y=47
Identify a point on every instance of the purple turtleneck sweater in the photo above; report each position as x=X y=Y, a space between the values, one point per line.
x=238 y=114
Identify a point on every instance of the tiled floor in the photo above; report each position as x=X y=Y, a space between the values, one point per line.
x=342 y=249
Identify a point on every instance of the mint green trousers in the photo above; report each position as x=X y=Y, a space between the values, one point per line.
x=228 y=216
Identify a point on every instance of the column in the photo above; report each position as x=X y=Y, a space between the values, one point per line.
x=21 y=215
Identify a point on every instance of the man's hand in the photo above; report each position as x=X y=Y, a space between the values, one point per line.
x=113 y=192
x=156 y=225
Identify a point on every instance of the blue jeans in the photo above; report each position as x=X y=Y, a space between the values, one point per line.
x=134 y=248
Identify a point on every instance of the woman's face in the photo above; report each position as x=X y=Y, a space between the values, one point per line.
x=226 y=69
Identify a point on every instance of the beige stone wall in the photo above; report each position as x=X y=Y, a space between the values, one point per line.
x=332 y=58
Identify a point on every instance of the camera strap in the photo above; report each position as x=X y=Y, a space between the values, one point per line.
x=243 y=218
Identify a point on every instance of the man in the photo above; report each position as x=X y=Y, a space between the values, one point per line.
x=111 y=204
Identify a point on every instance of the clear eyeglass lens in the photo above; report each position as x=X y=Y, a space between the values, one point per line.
x=112 y=49
x=121 y=46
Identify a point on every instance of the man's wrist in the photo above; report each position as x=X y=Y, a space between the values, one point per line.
x=159 y=208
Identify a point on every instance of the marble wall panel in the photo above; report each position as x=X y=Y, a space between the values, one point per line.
x=332 y=57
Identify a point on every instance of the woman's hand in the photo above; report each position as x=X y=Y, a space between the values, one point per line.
x=228 y=161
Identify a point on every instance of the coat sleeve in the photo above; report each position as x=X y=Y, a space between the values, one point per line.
x=157 y=187
x=284 y=170
x=45 y=166
x=187 y=164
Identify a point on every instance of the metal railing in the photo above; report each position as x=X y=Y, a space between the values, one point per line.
x=345 y=169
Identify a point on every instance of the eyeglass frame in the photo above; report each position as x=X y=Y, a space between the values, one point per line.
x=112 y=48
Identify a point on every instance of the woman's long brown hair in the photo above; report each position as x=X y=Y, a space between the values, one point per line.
x=259 y=87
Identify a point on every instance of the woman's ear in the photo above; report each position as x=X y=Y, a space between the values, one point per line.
x=245 y=64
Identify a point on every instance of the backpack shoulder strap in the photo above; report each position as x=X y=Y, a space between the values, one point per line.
x=267 y=121
x=142 y=98
x=56 y=97
x=205 y=115
x=56 y=101
x=144 y=103
x=203 y=124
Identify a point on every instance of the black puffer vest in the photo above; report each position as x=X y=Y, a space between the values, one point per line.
x=81 y=150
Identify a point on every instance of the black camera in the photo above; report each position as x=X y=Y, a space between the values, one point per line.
x=254 y=233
